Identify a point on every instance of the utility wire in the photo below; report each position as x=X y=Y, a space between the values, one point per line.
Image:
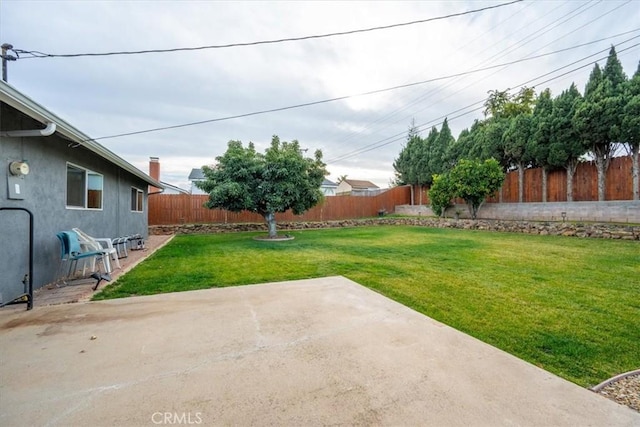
x=402 y=135
x=38 y=54
x=498 y=55
x=398 y=137
x=572 y=12
x=415 y=99
x=340 y=98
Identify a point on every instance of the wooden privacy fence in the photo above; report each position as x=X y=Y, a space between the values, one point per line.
x=169 y=209
x=619 y=184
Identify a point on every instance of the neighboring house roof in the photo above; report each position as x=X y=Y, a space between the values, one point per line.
x=360 y=185
x=196 y=174
x=16 y=99
x=174 y=188
x=327 y=183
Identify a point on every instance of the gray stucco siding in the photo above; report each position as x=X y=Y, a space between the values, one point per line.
x=44 y=192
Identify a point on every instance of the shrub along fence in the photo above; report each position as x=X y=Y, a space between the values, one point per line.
x=167 y=209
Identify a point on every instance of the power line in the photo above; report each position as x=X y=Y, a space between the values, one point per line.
x=502 y=53
x=402 y=135
x=353 y=152
x=437 y=122
x=341 y=98
x=426 y=93
x=37 y=54
x=398 y=137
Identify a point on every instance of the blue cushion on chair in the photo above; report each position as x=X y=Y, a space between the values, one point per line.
x=73 y=246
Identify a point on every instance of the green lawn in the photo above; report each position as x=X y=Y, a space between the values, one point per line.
x=568 y=305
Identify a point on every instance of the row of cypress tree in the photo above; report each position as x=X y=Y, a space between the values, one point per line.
x=525 y=130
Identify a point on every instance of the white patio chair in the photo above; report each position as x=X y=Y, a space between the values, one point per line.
x=72 y=252
x=98 y=244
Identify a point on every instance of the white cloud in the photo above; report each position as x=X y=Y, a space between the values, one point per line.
x=104 y=96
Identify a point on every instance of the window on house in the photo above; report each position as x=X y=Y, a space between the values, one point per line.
x=137 y=196
x=84 y=188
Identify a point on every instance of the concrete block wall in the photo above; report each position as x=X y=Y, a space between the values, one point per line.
x=626 y=211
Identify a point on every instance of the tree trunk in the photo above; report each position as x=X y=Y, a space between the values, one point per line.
x=270 y=219
x=544 y=185
x=500 y=194
x=571 y=167
x=412 y=198
x=420 y=194
x=520 y=182
x=635 y=171
x=603 y=158
x=472 y=210
x=601 y=172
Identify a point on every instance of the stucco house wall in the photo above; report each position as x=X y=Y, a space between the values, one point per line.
x=44 y=193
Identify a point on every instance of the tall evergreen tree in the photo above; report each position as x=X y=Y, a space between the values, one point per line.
x=489 y=143
x=404 y=165
x=457 y=149
x=599 y=118
x=470 y=146
x=630 y=132
x=423 y=161
x=541 y=140
x=566 y=145
x=516 y=140
x=595 y=78
x=438 y=159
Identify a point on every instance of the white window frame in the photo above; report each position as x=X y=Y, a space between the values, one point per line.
x=87 y=173
x=139 y=208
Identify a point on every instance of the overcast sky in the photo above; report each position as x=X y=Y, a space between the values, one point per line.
x=360 y=136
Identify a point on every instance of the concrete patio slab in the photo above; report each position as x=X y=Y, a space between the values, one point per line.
x=309 y=352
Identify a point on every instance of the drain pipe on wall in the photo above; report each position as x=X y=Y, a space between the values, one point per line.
x=49 y=130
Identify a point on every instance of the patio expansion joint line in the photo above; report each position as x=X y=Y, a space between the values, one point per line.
x=260 y=340
x=89 y=394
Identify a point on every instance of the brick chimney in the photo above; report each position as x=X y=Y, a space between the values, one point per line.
x=154 y=172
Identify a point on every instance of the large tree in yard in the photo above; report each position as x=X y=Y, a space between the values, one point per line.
x=276 y=181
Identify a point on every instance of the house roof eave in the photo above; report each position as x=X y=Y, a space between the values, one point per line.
x=168 y=186
x=16 y=99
